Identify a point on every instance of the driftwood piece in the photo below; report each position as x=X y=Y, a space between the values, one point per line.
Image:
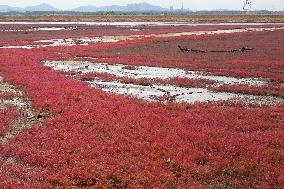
x=184 y=49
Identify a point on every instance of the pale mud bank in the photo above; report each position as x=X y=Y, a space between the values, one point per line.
x=115 y=39
x=170 y=93
x=165 y=93
x=139 y=72
x=39 y=29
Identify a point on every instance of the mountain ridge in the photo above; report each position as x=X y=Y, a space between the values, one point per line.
x=136 y=7
x=40 y=7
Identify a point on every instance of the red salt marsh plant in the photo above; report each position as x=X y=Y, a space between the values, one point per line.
x=164 y=53
x=177 y=81
x=272 y=89
x=101 y=76
x=93 y=139
x=7 y=95
x=6 y=116
x=185 y=82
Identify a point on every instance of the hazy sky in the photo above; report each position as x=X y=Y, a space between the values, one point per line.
x=191 y=4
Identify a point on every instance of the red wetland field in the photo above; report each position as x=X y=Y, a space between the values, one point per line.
x=141 y=105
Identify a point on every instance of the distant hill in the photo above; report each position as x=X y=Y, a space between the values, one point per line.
x=5 y=8
x=86 y=9
x=138 y=7
x=41 y=8
x=37 y=8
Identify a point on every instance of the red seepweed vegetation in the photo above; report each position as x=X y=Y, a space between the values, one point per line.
x=177 y=81
x=6 y=116
x=274 y=89
x=91 y=139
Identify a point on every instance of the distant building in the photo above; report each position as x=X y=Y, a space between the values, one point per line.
x=171 y=8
